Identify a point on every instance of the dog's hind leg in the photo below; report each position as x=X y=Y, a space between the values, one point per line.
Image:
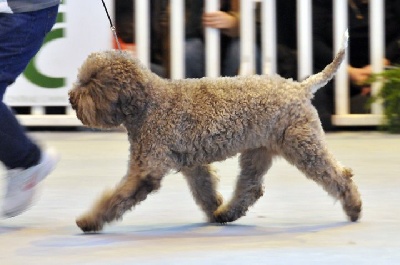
x=203 y=181
x=132 y=189
x=249 y=187
x=304 y=147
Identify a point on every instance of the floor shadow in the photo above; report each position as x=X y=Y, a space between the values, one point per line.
x=10 y=229
x=202 y=230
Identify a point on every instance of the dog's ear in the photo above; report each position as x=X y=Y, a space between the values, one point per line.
x=110 y=88
x=103 y=103
x=96 y=106
x=95 y=95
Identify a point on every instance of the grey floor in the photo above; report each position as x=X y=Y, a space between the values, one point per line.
x=295 y=222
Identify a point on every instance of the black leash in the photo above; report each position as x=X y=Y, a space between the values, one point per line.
x=111 y=25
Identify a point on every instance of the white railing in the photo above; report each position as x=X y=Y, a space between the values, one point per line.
x=342 y=115
x=38 y=117
x=304 y=11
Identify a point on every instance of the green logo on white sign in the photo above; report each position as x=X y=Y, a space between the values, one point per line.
x=32 y=73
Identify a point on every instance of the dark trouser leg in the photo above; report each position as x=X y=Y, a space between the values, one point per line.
x=21 y=36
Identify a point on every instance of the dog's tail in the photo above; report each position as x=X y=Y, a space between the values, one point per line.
x=314 y=82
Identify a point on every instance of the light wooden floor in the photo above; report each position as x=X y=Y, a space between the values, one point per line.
x=295 y=222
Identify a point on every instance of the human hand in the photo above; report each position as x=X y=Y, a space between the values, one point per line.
x=385 y=62
x=359 y=76
x=219 y=20
x=365 y=91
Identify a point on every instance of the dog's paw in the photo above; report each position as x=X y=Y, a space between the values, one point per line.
x=88 y=224
x=220 y=218
x=223 y=216
x=353 y=212
x=352 y=203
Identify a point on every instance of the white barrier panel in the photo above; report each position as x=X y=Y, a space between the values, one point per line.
x=213 y=62
x=304 y=26
x=304 y=38
x=247 y=37
x=177 y=39
x=341 y=80
x=142 y=31
x=377 y=45
x=82 y=27
x=342 y=115
x=269 y=37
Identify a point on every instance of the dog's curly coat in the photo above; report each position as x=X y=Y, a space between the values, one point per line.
x=185 y=125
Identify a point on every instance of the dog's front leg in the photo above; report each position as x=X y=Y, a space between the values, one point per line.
x=249 y=187
x=133 y=189
x=203 y=181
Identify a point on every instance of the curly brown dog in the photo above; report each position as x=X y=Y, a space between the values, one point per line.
x=185 y=125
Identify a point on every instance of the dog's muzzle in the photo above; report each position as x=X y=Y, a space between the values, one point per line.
x=72 y=101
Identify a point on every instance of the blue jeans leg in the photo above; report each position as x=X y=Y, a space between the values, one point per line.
x=194 y=58
x=21 y=36
x=231 y=61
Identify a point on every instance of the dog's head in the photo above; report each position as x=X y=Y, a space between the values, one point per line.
x=103 y=94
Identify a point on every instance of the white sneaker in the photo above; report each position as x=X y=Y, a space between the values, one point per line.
x=21 y=184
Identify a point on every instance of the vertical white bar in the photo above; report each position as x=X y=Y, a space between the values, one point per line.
x=247 y=44
x=70 y=111
x=177 y=39
x=213 y=62
x=304 y=38
x=142 y=30
x=377 y=44
x=268 y=35
x=36 y=110
x=340 y=25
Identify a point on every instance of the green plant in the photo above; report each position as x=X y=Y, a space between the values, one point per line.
x=390 y=95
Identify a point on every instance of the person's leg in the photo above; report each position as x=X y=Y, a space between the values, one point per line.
x=16 y=149
x=158 y=70
x=194 y=58
x=21 y=36
x=231 y=61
